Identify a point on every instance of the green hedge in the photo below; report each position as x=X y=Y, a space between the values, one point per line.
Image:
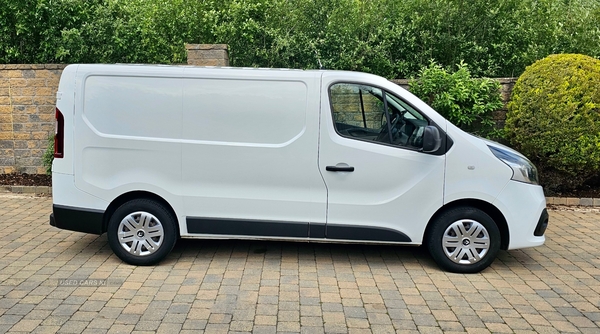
x=465 y=101
x=554 y=119
x=391 y=38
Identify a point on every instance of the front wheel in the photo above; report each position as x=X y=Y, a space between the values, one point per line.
x=464 y=240
x=142 y=232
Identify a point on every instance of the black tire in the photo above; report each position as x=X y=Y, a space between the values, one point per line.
x=148 y=229
x=473 y=231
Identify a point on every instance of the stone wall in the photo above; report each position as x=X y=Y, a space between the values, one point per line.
x=27 y=104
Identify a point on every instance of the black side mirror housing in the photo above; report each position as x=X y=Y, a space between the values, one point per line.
x=432 y=140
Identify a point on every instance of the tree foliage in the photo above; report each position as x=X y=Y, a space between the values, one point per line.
x=388 y=37
x=465 y=101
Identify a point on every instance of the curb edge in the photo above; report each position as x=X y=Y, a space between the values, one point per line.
x=29 y=190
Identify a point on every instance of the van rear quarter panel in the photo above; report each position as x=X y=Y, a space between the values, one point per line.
x=65 y=102
x=127 y=126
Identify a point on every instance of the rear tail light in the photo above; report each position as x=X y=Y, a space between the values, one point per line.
x=59 y=135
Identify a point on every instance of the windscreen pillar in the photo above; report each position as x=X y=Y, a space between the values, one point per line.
x=207 y=54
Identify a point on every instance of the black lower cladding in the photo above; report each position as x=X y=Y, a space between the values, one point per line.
x=316 y=230
x=77 y=219
x=223 y=226
x=365 y=233
x=542 y=224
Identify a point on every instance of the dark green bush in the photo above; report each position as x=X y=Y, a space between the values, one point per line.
x=48 y=156
x=554 y=119
x=465 y=101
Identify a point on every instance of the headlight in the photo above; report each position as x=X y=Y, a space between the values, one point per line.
x=523 y=169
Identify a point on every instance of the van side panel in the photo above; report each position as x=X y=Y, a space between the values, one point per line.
x=249 y=113
x=130 y=132
x=250 y=150
x=146 y=108
x=128 y=128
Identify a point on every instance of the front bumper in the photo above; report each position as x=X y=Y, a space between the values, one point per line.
x=524 y=207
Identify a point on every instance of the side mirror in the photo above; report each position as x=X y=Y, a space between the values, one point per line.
x=431 y=139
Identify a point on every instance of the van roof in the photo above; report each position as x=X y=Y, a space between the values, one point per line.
x=101 y=67
x=212 y=67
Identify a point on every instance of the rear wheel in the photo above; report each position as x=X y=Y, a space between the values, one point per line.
x=142 y=232
x=464 y=240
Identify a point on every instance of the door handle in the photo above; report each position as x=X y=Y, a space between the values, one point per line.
x=339 y=169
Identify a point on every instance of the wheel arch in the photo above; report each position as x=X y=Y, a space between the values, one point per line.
x=138 y=194
x=486 y=207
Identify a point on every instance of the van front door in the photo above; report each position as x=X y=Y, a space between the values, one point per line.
x=381 y=186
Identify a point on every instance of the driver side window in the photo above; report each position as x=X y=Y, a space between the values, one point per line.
x=367 y=113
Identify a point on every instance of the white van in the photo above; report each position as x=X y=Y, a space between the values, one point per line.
x=149 y=154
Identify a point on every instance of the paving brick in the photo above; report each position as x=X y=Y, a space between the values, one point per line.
x=195 y=324
x=311 y=321
x=26 y=325
x=261 y=329
x=55 y=320
x=20 y=309
x=288 y=326
x=73 y=326
x=119 y=328
x=169 y=328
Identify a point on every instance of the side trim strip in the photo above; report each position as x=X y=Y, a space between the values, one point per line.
x=350 y=232
x=77 y=219
x=259 y=228
x=227 y=226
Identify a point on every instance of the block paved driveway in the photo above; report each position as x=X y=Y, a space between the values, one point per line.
x=267 y=287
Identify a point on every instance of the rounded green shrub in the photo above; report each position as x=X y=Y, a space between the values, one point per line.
x=554 y=119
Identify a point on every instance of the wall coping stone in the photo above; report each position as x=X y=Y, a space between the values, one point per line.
x=33 y=66
x=206 y=46
x=507 y=80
